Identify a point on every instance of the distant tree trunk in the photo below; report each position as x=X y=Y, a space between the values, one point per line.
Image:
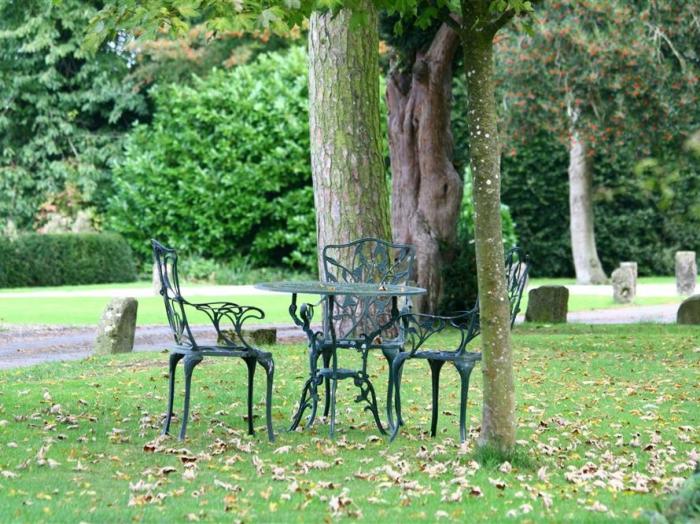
x=426 y=189
x=498 y=415
x=586 y=262
x=350 y=187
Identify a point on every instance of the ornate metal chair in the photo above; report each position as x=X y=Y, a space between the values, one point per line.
x=419 y=328
x=364 y=323
x=227 y=345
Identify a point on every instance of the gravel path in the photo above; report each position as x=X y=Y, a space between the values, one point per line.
x=28 y=345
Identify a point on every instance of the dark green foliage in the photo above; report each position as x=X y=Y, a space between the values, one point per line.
x=62 y=115
x=223 y=170
x=633 y=221
x=63 y=259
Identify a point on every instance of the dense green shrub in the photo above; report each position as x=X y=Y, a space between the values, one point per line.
x=460 y=276
x=67 y=258
x=64 y=113
x=223 y=170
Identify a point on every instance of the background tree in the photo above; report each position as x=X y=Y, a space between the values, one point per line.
x=62 y=116
x=426 y=186
x=350 y=186
x=600 y=75
x=477 y=24
x=350 y=190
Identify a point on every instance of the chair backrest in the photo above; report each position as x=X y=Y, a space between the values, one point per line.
x=517 y=268
x=516 y=265
x=368 y=260
x=165 y=259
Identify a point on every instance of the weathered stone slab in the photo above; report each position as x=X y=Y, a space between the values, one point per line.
x=623 y=285
x=115 y=333
x=689 y=311
x=547 y=304
x=686 y=272
x=262 y=336
x=633 y=267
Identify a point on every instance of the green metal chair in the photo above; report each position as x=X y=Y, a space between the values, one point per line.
x=419 y=328
x=227 y=318
x=361 y=323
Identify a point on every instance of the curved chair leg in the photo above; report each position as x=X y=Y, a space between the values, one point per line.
x=250 y=362
x=174 y=359
x=191 y=362
x=327 y=399
x=390 y=355
x=269 y=366
x=303 y=404
x=465 y=370
x=395 y=379
x=435 y=367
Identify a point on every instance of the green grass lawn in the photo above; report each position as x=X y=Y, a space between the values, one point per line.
x=607 y=417
x=88 y=310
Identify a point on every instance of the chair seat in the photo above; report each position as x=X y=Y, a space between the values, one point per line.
x=447 y=355
x=219 y=351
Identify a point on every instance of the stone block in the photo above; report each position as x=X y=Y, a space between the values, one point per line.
x=633 y=267
x=117 y=328
x=689 y=311
x=623 y=283
x=686 y=272
x=547 y=304
x=261 y=336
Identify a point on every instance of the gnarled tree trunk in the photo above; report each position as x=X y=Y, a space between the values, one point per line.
x=426 y=189
x=350 y=186
x=588 y=268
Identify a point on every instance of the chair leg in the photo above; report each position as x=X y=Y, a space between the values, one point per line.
x=396 y=380
x=435 y=367
x=269 y=366
x=250 y=362
x=465 y=370
x=174 y=359
x=191 y=362
x=327 y=399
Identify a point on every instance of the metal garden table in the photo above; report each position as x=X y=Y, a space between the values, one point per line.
x=326 y=340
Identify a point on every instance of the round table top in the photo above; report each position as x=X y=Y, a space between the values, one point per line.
x=312 y=287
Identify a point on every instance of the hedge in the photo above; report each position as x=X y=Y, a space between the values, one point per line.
x=223 y=170
x=65 y=259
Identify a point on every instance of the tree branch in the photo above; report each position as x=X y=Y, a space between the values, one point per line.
x=494 y=26
x=448 y=18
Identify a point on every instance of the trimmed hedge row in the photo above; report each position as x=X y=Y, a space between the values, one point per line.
x=64 y=259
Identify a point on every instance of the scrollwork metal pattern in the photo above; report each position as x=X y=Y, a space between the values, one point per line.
x=367 y=260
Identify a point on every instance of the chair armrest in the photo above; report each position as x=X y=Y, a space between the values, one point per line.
x=228 y=315
x=417 y=328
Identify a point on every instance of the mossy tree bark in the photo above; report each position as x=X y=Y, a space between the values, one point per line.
x=498 y=416
x=350 y=186
x=426 y=189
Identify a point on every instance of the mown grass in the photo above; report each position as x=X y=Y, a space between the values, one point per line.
x=88 y=310
x=607 y=418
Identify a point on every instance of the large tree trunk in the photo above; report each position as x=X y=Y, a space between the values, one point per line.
x=498 y=416
x=426 y=189
x=586 y=262
x=350 y=187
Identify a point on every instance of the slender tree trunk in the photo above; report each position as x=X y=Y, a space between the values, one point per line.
x=350 y=186
x=586 y=262
x=498 y=416
x=426 y=189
